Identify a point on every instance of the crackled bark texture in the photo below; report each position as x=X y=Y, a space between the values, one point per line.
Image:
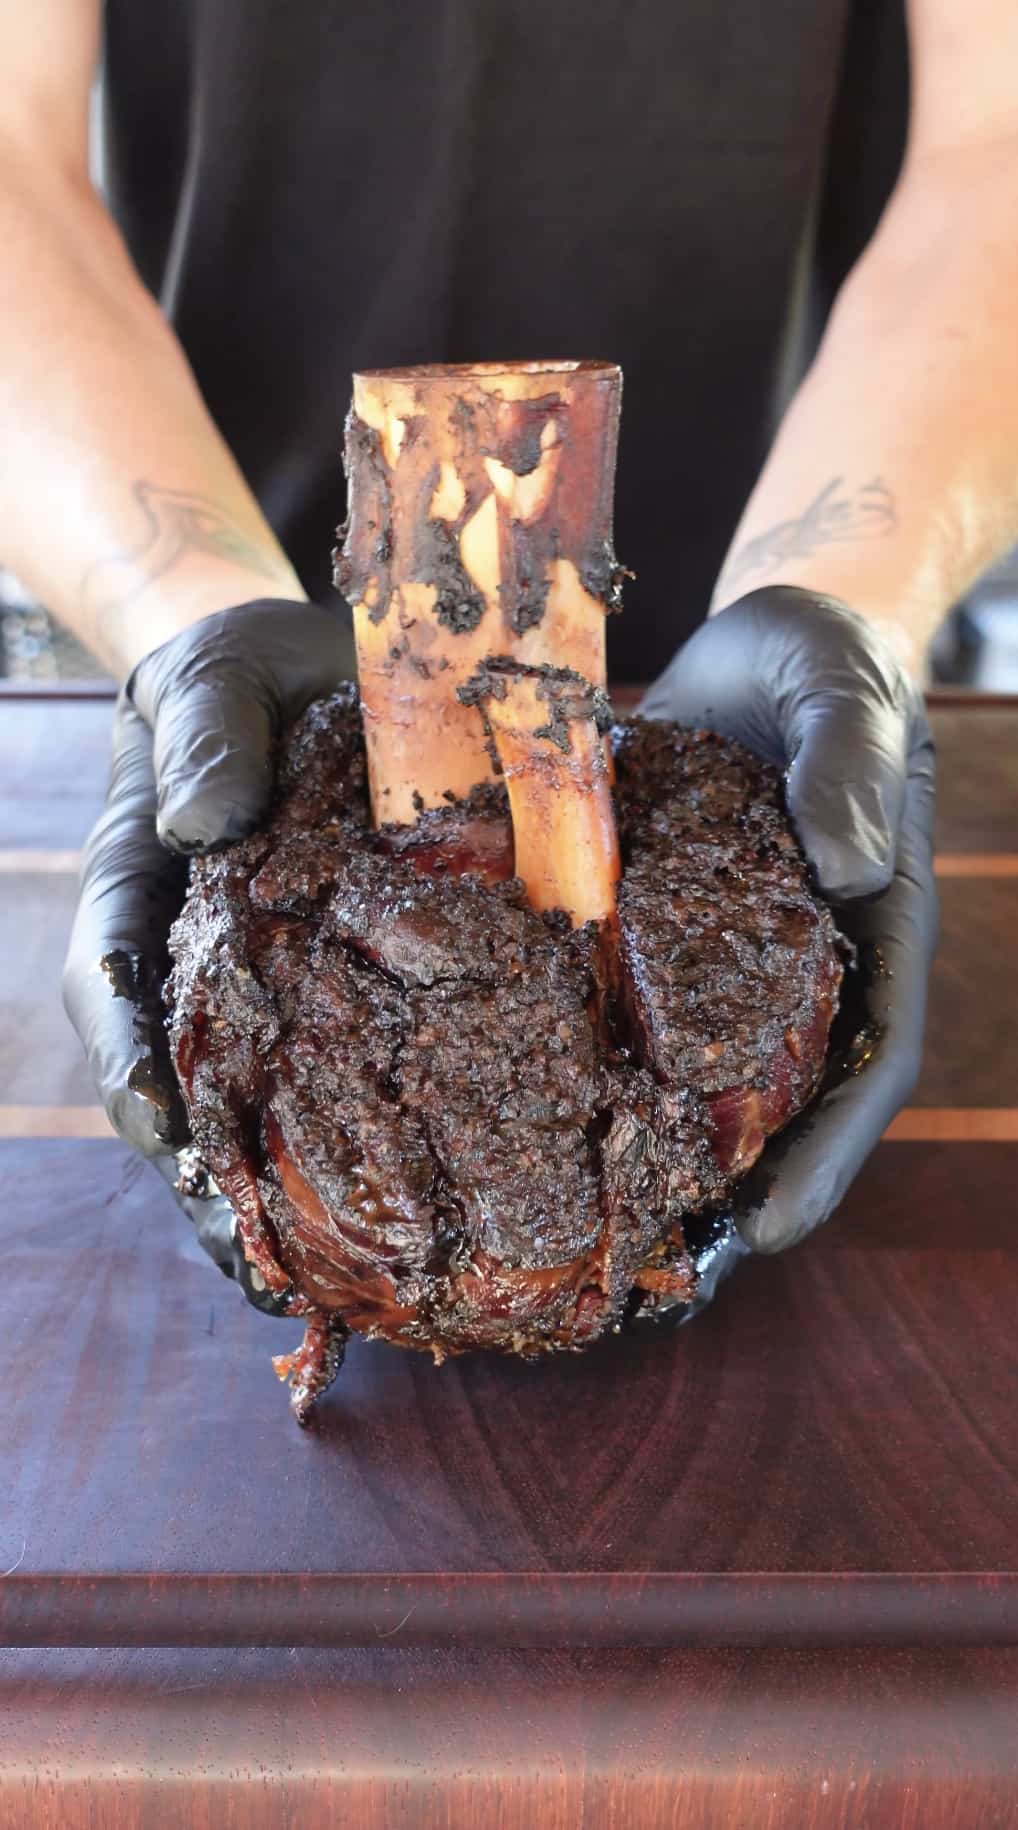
x=437 y=1124
x=480 y=524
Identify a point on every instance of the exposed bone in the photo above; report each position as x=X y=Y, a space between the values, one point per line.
x=548 y=727
x=480 y=523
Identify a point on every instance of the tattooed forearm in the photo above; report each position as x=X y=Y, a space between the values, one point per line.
x=177 y=523
x=836 y=514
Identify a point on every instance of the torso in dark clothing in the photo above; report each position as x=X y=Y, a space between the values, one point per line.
x=321 y=187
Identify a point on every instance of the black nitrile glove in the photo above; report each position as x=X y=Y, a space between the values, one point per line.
x=806 y=683
x=193 y=741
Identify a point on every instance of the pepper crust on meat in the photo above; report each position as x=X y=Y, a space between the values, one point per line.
x=441 y=1120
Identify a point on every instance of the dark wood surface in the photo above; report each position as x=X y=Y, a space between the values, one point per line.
x=838 y=1410
x=382 y=1740
x=551 y=1741
x=758 y=1572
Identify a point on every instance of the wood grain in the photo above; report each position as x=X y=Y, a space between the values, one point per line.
x=398 y=1740
x=54 y=1121
x=955 y=1124
x=838 y=1410
x=970 y=1053
x=977 y=777
x=976 y=864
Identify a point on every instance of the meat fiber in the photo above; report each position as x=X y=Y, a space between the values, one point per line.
x=449 y=1121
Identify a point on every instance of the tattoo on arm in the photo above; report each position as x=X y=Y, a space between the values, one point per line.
x=835 y=515
x=176 y=523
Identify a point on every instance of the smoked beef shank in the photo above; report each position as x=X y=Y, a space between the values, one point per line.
x=450 y=1121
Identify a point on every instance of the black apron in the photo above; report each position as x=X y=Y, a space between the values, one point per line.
x=315 y=186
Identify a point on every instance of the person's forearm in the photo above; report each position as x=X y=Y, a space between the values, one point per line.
x=893 y=481
x=121 y=507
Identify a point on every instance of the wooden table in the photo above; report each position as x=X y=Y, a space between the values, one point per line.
x=761 y=1572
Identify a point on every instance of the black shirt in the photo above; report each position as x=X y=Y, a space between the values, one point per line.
x=314 y=186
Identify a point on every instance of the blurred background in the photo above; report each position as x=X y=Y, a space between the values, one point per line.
x=976 y=648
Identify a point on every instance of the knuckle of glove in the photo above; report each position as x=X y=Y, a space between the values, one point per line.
x=782 y=640
x=278 y=647
x=312 y=650
x=204 y=654
x=749 y=671
x=778 y=1228
x=800 y=642
x=849 y=830
x=213 y=786
x=215 y=696
x=795 y=1208
x=712 y=682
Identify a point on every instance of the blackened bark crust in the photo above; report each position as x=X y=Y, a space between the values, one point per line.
x=435 y=1119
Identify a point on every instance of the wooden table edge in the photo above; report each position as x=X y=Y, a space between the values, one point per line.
x=537 y=1609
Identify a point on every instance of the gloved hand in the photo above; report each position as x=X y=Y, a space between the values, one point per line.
x=805 y=682
x=193 y=742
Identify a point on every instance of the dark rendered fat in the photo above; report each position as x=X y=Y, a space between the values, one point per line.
x=447 y=1120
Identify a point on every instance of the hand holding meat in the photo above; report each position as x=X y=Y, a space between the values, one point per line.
x=811 y=686
x=481 y=1027
x=193 y=758
x=449 y=1119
